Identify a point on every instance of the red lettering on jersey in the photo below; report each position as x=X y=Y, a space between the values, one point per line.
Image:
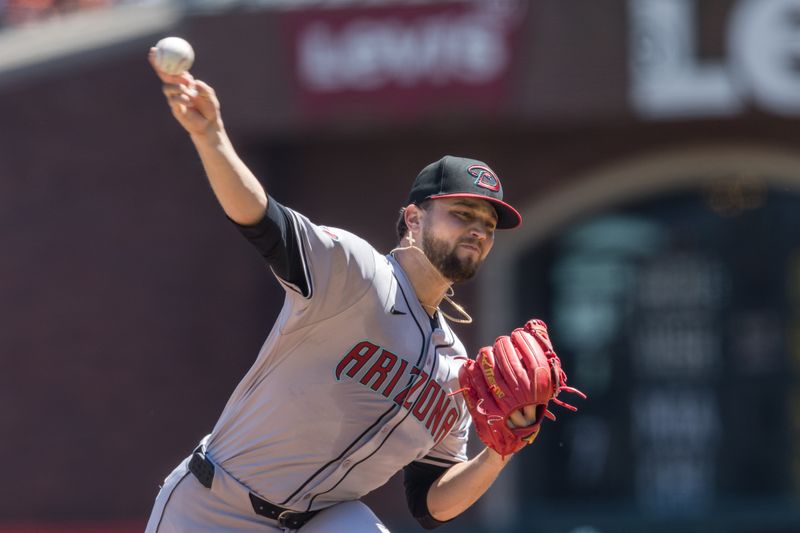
x=438 y=412
x=380 y=368
x=422 y=378
x=390 y=387
x=329 y=233
x=403 y=393
x=426 y=399
x=449 y=419
x=359 y=355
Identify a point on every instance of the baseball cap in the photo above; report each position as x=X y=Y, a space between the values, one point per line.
x=460 y=177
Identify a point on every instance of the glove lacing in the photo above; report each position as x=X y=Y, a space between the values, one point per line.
x=560 y=384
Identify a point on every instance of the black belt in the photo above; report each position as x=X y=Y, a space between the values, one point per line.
x=203 y=470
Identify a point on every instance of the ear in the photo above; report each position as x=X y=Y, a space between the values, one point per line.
x=412 y=216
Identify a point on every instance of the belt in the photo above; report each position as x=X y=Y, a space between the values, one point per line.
x=203 y=469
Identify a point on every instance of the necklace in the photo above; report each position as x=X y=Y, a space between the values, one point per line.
x=466 y=319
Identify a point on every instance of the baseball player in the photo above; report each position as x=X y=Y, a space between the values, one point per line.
x=356 y=379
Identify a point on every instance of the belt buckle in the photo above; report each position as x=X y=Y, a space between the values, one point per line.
x=284 y=515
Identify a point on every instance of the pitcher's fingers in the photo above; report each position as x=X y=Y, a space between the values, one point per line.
x=183 y=78
x=171 y=89
x=529 y=411
x=518 y=419
x=176 y=100
x=204 y=90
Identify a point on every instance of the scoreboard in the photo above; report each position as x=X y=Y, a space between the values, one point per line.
x=679 y=316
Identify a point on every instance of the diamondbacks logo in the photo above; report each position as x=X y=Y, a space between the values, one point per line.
x=484 y=177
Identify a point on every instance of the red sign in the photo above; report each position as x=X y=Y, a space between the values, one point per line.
x=403 y=60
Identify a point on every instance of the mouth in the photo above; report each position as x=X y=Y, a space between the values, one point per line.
x=472 y=247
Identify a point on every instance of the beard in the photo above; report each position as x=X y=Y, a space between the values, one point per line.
x=446 y=260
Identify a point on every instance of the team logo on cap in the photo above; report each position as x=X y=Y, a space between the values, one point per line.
x=484 y=177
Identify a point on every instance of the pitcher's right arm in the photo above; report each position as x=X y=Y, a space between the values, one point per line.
x=195 y=106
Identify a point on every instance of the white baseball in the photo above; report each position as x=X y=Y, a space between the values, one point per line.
x=174 y=55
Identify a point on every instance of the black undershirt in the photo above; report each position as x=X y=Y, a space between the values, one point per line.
x=275 y=239
x=417 y=480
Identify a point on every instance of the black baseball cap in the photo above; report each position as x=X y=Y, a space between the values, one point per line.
x=460 y=177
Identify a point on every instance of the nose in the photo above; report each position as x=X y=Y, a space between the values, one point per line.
x=478 y=236
x=479 y=231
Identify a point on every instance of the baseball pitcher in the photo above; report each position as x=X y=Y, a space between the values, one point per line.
x=363 y=354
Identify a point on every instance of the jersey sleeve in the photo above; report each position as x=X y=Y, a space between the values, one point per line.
x=275 y=239
x=323 y=270
x=337 y=268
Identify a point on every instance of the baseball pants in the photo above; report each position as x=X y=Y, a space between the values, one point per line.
x=183 y=504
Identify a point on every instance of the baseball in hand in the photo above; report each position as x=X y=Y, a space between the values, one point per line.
x=173 y=55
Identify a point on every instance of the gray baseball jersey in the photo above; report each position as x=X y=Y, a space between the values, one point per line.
x=354 y=382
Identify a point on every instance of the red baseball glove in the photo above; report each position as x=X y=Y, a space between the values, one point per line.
x=517 y=376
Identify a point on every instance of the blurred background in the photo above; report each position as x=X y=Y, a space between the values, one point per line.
x=651 y=146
